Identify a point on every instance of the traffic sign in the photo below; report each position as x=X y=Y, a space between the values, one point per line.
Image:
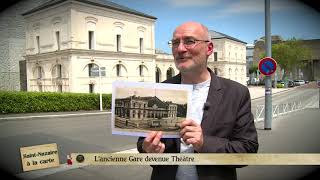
x=267 y=66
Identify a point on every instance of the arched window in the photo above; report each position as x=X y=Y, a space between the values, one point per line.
x=158 y=75
x=39 y=72
x=170 y=73
x=143 y=71
x=120 y=70
x=93 y=70
x=57 y=71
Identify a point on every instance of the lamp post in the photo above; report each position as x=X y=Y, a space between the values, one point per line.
x=100 y=93
x=100 y=88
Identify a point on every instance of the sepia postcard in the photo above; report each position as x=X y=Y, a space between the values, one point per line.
x=140 y=107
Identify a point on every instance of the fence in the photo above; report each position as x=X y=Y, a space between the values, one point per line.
x=277 y=110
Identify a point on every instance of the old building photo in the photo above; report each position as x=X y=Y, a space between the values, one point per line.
x=143 y=109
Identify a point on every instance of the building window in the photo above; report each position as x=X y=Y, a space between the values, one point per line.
x=215 y=56
x=170 y=73
x=91 y=39
x=141 y=70
x=91 y=88
x=59 y=71
x=40 y=88
x=93 y=70
x=216 y=71
x=118 y=70
x=60 y=88
x=118 y=42
x=58 y=39
x=158 y=75
x=39 y=69
x=141 y=45
x=38 y=43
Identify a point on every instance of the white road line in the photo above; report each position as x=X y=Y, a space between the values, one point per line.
x=52 y=115
x=63 y=167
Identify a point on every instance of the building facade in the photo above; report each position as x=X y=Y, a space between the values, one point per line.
x=145 y=112
x=229 y=57
x=12 y=43
x=139 y=108
x=67 y=44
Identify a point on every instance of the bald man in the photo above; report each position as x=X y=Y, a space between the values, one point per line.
x=221 y=120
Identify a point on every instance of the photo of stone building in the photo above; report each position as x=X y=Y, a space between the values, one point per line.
x=147 y=113
x=145 y=108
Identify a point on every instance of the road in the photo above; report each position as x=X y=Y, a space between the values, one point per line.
x=92 y=133
x=307 y=95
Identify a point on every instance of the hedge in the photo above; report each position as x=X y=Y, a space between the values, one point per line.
x=26 y=102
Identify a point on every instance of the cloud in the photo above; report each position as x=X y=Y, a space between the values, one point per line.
x=253 y=6
x=191 y=3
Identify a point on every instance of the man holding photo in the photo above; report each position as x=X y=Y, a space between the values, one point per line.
x=221 y=120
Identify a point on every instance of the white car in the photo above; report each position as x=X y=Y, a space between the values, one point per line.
x=299 y=82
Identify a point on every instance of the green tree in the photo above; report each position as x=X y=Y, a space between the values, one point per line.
x=253 y=69
x=289 y=55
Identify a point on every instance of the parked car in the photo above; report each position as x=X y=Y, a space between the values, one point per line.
x=299 y=82
x=290 y=83
x=280 y=84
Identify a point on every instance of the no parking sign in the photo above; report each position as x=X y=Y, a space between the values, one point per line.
x=267 y=66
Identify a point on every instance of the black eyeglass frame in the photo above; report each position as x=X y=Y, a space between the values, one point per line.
x=170 y=43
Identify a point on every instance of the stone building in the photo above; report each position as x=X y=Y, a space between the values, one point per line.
x=139 y=108
x=62 y=44
x=229 y=57
x=66 y=44
x=139 y=112
x=311 y=68
x=12 y=43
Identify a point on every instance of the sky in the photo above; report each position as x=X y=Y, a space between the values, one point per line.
x=241 y=19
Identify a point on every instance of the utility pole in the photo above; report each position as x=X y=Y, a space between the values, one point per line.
x=268 y=86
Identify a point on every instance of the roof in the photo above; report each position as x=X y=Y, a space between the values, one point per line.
x=100 y=3
x=219 y=35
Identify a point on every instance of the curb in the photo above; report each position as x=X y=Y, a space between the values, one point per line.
x=274 y=93
x=50 y=116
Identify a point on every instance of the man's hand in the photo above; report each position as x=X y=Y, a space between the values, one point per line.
x=191 y=133
x=152 y=143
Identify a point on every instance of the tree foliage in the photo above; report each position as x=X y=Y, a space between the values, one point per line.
x=253 y=68
x=290 y=54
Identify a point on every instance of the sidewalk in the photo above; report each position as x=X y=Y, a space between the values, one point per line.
x=259 y=91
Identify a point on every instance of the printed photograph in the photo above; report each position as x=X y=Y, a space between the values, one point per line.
x=138 y=108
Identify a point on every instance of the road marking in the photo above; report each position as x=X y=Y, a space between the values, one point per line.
x=52 y=115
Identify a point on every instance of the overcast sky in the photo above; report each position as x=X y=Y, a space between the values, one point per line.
x=242 y=19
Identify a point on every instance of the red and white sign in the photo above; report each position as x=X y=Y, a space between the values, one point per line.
x=267 y=66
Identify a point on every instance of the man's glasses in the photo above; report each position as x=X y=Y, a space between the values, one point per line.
x=188 y=43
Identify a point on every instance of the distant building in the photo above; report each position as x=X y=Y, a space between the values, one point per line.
x=12 y=44
x=311 y=68
x=229 y=57
x=249 y=57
